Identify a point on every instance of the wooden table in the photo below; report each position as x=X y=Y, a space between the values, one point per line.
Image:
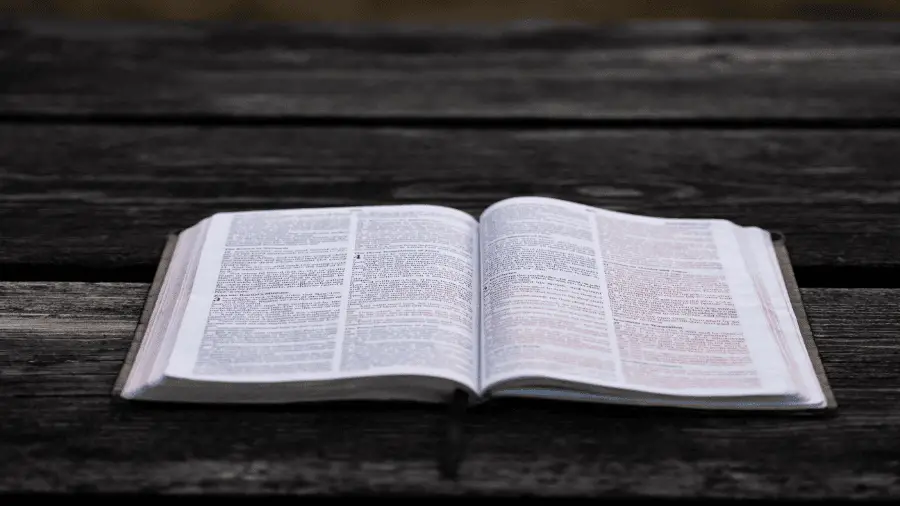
x=112 y=135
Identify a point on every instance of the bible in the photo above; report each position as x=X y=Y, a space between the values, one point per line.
x=537 y=297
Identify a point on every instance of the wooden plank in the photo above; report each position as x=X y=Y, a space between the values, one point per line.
x=643 y=70
x=60 y=431
x=459 y=11
x=65 y=338
x=105 y=197
x=54 y=330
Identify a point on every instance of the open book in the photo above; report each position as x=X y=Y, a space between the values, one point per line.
x=538 y=298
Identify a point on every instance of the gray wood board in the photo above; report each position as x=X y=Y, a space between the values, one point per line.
x=61 y=431
x=76 y=198
x=642 y=70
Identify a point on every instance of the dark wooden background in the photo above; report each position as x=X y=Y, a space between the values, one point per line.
x=456 y=11
x=112 y=135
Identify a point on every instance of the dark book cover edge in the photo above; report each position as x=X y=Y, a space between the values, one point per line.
x=787 y=271
x=149 y=304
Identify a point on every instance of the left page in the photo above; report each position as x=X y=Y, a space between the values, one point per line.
x=321 y=294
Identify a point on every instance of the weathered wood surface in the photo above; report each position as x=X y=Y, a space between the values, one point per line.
x=93 y=201
x=60 y=431
x=112 y=135
x=678 y=70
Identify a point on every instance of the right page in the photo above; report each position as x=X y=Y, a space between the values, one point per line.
x=581 y=295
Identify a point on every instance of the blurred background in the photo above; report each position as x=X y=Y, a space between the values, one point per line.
x=453 y=11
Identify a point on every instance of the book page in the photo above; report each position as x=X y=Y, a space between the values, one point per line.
x=773 y=293
x=543 y=299
x=321 y=294
x=579 y=294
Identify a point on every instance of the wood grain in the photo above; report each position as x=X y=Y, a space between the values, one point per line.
x=457 y=11
x=63 y=343
x=663 y=71
x=65 y=338
x=76 y=198
x=113 y=135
